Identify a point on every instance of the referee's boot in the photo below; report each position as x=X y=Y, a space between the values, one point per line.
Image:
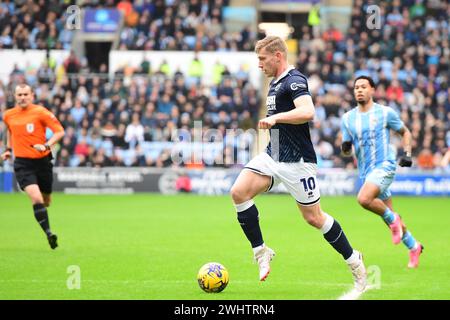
x=52 y=241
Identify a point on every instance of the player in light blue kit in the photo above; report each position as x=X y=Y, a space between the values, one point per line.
x=367 y=128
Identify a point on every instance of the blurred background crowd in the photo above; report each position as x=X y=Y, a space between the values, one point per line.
x=112 y=122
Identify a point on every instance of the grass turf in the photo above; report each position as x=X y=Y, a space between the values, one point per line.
x=151 y=247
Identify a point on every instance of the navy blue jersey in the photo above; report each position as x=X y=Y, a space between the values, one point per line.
x=294 y=139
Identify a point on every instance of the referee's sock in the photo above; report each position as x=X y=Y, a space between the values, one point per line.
x=248 y=217
x=41 y=215
x=335 y=236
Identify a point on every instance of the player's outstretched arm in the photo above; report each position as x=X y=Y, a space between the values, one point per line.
x=405 y=160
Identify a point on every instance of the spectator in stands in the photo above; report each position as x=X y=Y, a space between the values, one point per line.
x=445 y=161
x=314 y=20
x=101 y=160
x=72 y=64
x=195 y=70
x=395 y=92
x=165 y=106
x=118 y=139
x=6 y=41
x=425 y=159
x=82 y=148
x=135 y=131
x=78 y=111
x=332 y=34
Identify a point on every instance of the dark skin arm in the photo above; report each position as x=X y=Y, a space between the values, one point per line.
x=405 y=160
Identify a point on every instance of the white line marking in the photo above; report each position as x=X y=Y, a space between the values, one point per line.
x=354 y=294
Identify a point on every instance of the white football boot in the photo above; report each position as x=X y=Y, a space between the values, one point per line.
x=263 y=257
x=359 y=273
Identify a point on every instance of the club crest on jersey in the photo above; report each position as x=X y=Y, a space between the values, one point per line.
x=277 y=87
x=373 y=122
x=30 y=127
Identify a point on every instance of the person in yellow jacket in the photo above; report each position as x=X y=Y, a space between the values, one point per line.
x=217 y=72
x=195 y=71
x=314 y=20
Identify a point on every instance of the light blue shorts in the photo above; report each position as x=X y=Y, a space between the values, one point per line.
x=383 y=178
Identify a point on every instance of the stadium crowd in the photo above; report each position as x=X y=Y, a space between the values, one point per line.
x=181 y=25
x=408 y=57
x=115 y=122
x=148 y=25
x=27 y=24
x=118 y=122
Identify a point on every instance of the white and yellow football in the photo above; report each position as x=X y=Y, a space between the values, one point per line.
x=213 y=277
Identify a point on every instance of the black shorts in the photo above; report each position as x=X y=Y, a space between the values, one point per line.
x=35 y=171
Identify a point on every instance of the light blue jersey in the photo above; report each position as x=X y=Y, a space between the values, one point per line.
x=369 y=133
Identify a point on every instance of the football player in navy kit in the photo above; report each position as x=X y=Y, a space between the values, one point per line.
x=289 y=159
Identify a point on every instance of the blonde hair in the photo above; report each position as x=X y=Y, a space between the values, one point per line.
x=272 y=44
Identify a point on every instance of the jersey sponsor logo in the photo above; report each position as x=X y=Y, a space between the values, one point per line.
x=295 y=86
x=270 y=102
x=368 y=138
x=30 y=127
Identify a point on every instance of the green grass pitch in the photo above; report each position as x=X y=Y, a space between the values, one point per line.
x=151 y=246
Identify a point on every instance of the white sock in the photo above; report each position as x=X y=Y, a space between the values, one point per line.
x=353 y=258
x=329 y=220
x=244 y=205
x=258 y=248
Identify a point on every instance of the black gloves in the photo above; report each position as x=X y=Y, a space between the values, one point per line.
x=346 y=146
x=405 y=161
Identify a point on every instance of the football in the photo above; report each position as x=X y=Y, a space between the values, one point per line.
x=213 y=277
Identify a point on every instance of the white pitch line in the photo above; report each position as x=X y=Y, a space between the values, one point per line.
x=351 y=295
x=354 y=294
x=305 y=283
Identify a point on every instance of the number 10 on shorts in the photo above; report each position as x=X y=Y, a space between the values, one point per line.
x=308 y=183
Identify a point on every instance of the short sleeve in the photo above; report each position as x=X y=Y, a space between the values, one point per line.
x=297 y=86
x=393 y=120
x=50 y=121
x=5 y=119
x=346 y=136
